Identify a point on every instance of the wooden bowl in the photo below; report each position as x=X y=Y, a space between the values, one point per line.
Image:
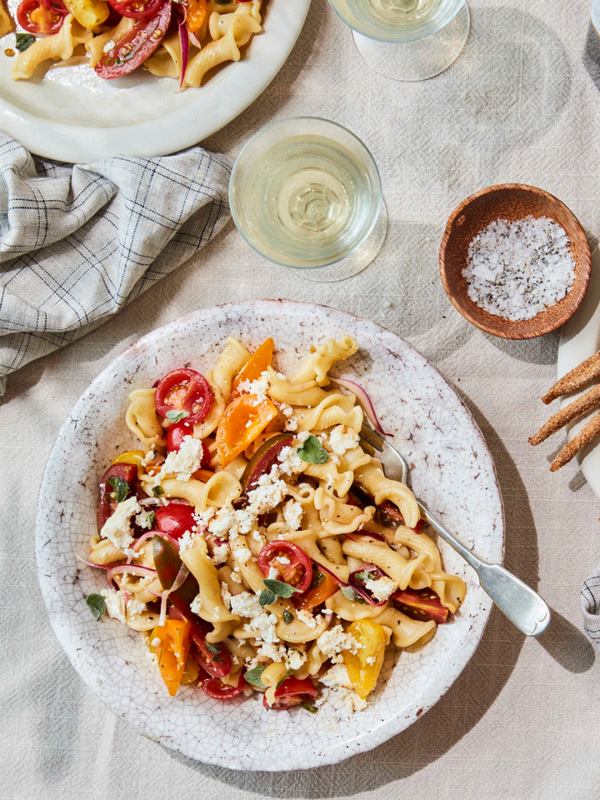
x=510 y=201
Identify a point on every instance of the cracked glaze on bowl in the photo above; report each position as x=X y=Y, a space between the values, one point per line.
x=452 y=472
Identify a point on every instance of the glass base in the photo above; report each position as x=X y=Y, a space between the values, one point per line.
x=417 y=61
x=356 y=261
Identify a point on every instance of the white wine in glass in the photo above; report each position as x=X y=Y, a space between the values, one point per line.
x=306 y=193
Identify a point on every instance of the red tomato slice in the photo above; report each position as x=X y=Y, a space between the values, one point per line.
x=214 y=658
x=175 y=519
x=215 y=688
x=183 y=390
x=134 y=48
x=292 y=692
x=292 y=563
x=175 y=436
x=421 y=604
x=36 y=17
x=106 y=504
x=139 y=9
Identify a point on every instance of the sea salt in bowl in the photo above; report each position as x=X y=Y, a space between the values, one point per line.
x=511 y=202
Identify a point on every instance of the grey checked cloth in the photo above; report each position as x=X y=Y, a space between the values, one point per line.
x=590 y=606
x=77 y=243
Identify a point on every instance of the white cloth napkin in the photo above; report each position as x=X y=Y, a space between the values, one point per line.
x=77 y=243
x=590 y=606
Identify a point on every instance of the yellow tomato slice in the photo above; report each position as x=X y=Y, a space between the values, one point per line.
x=364 y=668
x=171 y=651
x=130 y=457
x=242 y=421
x=253 y=369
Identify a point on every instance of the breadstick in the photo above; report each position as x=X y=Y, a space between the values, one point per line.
x=578 y=377
x=575 y=409
x=585 y=436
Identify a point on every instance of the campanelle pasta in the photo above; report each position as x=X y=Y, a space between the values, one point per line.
x=182 y=39
x=253 y=542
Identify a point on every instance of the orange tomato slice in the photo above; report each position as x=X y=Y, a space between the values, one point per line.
x=364 y=668
x=326 y=586
x=203 y=475
x=242 y=421
x=254 y=368
x=172 y=652
x=196 y=13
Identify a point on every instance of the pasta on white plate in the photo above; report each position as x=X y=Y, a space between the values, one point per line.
x=182 y=39
x=255 y=545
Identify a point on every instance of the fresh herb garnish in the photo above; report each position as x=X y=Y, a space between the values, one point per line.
x=288 y=616
x=253 y=676
x=96 y=605
x=317 y=579
x=157 y=491
x=176 y=416
x=312 y=452
x=121 y=488
x=24 y=40
x=267 y=597
x=150 y=519
x=351 y=594
x=213 y=648
x=364 y=575
x=280 y=588
x=308 y=707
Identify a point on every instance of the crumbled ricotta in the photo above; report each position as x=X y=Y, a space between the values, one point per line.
x=117 y=527
x=222 y=522
x=186 y=542
x=264 y=627
x=292 y=514
x=183 y=461
x=382 y=588
x=283 y=560
x=272 y=651
x=289 y=461
x=371 y=660
x=236 y=577
x=135 y=607
x=115 y=604
x=259 y=386
x=220 y=554
x=336 y=678
x=269 y=492
x=334 y=641
x=307 y=618
x=244 y=520
x=150 y=455
x=295 y=658
x=342 y=438
x=155 y=642
x=108 y=46
x=273 y=574
x=143 y=520
x=303 y=436
x=246 y=605
x=291 y=425
x=242 y=554
x=226 y=594
x=196 y=604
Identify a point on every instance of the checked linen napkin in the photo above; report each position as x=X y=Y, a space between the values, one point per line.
x=590 y=606
x=79 y=242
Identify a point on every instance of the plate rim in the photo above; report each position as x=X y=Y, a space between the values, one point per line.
x=174 y=131
x=334 y=754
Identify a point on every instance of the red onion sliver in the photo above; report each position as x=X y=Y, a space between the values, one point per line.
x=364 y=400
x=91 y=564
x=361 y=589
x=185 y=48
x=333 y=575
x=131 y=569
x=372 y=534
x=194 y=39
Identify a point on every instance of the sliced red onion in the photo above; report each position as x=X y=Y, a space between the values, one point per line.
x=131 y=569
x=175 y=613
x=91 y=564
x=163 y=609
x=359 y=587
x=58 y=6
x=372 y=534
x=364 y=400
x=333 y=575
x=179 y=580
x=194 y=39
x=185 y=47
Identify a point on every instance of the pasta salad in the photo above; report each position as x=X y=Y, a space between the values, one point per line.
x=181 y=39
x=252 y=541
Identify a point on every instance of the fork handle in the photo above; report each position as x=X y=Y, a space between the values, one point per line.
x=524 y=607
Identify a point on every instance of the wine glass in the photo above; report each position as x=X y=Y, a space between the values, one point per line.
x=305 y=193
x=407 y=40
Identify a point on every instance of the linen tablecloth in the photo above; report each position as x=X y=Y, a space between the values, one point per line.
x=523 y=720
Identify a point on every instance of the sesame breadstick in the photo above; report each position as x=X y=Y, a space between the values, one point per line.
x=575 y=409
x=584 y=437
x=578 y=377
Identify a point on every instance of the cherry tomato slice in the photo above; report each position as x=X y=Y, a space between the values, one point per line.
x=292 y=563
x=184 y=390
x=175 y=436
x=215 y=688
x=135 y=47
x=36 y=17
x=106 y=503
x=175 y=519
x=292 y=692
x=323 y=585
x=139 y=9
x=423 y=604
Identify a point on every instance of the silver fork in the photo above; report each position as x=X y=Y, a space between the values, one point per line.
x=524 y=607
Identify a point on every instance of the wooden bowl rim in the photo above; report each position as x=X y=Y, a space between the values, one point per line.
x=511 y=329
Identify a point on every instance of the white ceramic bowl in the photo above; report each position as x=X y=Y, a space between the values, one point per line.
x=72 y=115
x=452 y=472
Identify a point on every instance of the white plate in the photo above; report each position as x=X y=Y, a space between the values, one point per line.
x=580 y=339
x=72 y=115
x=452 y=471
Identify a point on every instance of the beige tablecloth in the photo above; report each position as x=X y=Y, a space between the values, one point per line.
x=523 y=720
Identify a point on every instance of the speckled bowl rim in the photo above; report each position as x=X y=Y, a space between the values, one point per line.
x=368 y=739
